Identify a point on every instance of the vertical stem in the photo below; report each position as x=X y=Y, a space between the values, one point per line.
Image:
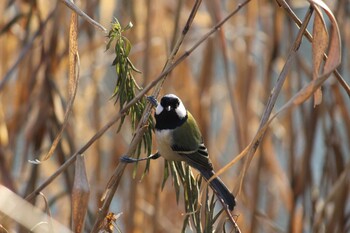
x=276 y=90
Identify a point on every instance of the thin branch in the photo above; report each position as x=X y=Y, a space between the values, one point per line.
x=178 y=44
x=24 y=51
x=230 y=216
x=115 y=179
x=124 y=110
x=77 y=10
x=290 y=12
x=117 y=175
x=275 y=92
x=73 y=157
x=74 y=76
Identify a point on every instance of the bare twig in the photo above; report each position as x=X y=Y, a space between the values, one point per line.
x=114 y=181
x=24 y=51
x=233 y=101
x=275 y=92
x=230 y=216
x=290 y=12
x=77 y=10
x=127 y=106
x=74 y=75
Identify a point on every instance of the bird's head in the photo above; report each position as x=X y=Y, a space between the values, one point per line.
x=170 y=112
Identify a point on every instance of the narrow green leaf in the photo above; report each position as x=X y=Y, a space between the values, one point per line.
x=166 y=173
x=184 y=226
x=133 y=67
x=108 y=45
x=115 y=61
x=127 y=46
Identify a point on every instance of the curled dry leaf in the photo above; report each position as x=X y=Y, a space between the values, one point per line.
x=320 y=44
x=74 y=64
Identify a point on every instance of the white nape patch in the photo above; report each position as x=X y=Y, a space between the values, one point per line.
x=159 y=109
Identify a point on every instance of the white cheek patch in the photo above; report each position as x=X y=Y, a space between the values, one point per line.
x=159 y=109
x=181 y=110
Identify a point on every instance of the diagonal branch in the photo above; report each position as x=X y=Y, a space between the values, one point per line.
x=290 y=12
x=123 y=111
x=24 y=51
x=73 y=7
x=275 y=92
x=119 y=171
x=170 y=65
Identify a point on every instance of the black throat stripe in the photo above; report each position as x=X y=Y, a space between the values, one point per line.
x=169 y=120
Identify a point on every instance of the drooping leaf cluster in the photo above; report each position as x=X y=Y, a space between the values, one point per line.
x=126 y=86
x=198 y=216
x=201 y=213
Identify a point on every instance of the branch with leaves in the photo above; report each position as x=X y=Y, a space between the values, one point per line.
x=126 y=85
x=175 y=167
x=38 y=103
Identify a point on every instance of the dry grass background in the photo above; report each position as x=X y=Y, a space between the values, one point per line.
x=299 y=177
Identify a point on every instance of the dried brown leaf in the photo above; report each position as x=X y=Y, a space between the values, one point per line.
x=80 y=195
x=319 y=46
x=334 y=49
x=74 y=64
x=299 y=98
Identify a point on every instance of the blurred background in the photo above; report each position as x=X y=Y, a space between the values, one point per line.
x=299 y=179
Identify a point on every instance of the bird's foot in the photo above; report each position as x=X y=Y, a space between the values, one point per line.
x=152 y=100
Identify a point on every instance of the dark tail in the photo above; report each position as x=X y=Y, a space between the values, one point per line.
x=220 y=189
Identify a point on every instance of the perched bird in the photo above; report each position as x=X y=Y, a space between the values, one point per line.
x=179 y=139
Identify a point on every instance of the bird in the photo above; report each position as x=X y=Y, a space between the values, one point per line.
x=179 y=139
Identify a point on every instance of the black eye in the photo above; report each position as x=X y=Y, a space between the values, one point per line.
x=175 y=103
x=169 y=103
